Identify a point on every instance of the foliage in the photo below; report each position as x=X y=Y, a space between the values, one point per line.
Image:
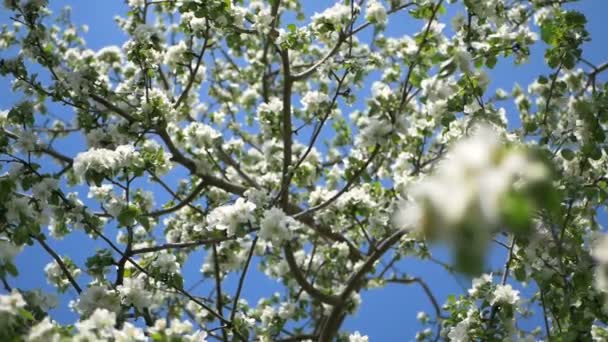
x=195 y=141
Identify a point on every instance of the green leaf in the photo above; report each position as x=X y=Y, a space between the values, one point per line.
x=11 y=269
x=491 y=61
x=21 y=235
x=26 y=315
x=530 y=126
x=177 y=281
x=127 y=216
x=520 y=273
x=144 y=221
x=547 y=32
x=95 y=177
x=517 y=211
x=568 y=154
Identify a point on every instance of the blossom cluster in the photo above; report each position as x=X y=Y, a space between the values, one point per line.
x=248 y=140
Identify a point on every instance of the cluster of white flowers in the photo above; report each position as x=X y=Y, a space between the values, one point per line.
x=475 y=176
x=230 y=217
x=43 y=189
x=55 y=275
x=144 y=33
x=11 y=306
x=178 y=330
x=275 y=105
x=357 y=337
x=156 y=104
x=129 y=333
x=111 y=55
x=293 y=39
x=462 y=58
x=374 y=131
x=162 y=162
x=136 y=3
x=257 y=196
x=423 y=317
x=8 y=251
x=275 y=226
x=313 y=100
x=505 y=294
x=18 y=208
x=381 y=90
x=183 y=226
x=27 y=141
x=78 y=82
x=463 y=192
x=42 y=331
x=200 y=135
x=359 y=196
x=99 y=325
x=262 y=21
x=326 y=22
x=196 y=24
x=103 y=160
x=45 y=301
x=112 y=202
x=97 y=297
x=96 y=137
x=460 y=332
x=199 y=312
x=437 y=92
x=376 y=13
x=100 y=192
x=479 y=283
x=176 y=55
x=133 y=292
x=11 y=303
x=166 y=263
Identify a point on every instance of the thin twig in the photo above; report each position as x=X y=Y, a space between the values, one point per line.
x=59 y=261
x=242 y=279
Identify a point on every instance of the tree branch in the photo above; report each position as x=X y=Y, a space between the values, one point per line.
x=242 y=279
x=193 y=73
x=60 y=262
x=335 y=318
x=287 y=84
x=186 y=201
x=304 y=284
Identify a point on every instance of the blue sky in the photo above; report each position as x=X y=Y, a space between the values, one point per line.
x=387 y=314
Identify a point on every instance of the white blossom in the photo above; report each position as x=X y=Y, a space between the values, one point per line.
x=479 y=282
x=459 y=333
x=11 y=303
x=231 y=216
x=97 y=298
x=103 y=160
x=275 y=225
x=133 y=292
x=505 y=294
x=165 y=263
x=472 y=178
x=8 y=251
x=312 y=100
x=176 y=55
x=41 y=331
x=100 y=324
x=376 y=13
x=357 y=337
x=129 y=333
